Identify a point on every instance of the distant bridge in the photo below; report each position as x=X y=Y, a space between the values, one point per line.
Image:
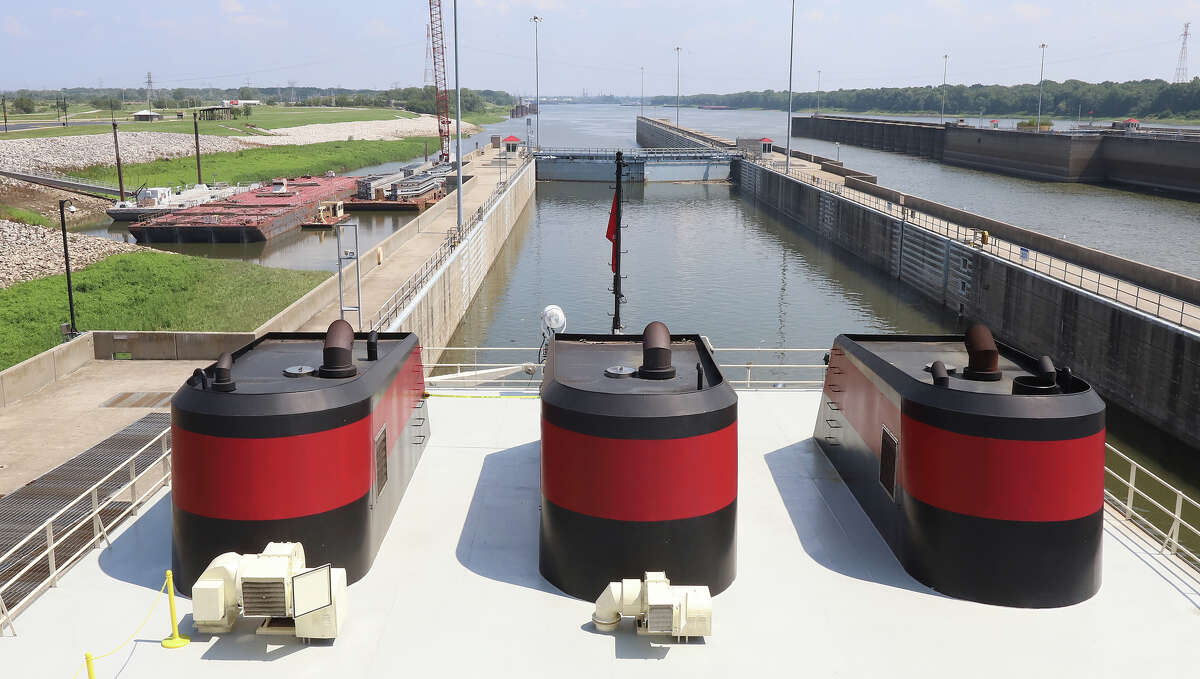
x=642 y=164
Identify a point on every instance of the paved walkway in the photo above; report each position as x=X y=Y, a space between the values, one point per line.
x=45 y=429
x=421 y=241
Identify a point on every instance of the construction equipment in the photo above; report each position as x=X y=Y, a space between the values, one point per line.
x=437 y=40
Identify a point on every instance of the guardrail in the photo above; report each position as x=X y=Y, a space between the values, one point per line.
x=1162 y=523
x=1154 y=303
x=461 y=367
x=407 y=291
x=74 y=538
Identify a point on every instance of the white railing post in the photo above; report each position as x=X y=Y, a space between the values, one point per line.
x=1129 y=499
x=50 y=554
x=1174 y=534
x=747 y=374
x=132 y=487
x=5 y=618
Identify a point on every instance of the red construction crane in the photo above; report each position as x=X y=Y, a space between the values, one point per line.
x=437 y=40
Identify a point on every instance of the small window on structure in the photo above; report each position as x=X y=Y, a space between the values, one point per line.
x=381 y=469
x=887 y=463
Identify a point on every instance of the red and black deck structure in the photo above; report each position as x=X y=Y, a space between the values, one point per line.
x=301 y=437
x=639 y=464
x=981 y=467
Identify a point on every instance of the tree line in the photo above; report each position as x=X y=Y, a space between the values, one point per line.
x=1139 y=98
x=418 y=99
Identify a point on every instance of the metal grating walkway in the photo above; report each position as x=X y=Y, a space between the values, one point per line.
x=28 y=507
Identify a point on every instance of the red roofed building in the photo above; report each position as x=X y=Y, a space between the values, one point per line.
x=766 y=145
x=511 y=142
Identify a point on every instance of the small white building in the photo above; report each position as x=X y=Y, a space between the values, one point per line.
x=511 y=143
x=147 y=116
x=241 y=102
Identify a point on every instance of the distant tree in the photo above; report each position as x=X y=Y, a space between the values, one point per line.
x=23 y=104
x=247 y=93
x=246 y=110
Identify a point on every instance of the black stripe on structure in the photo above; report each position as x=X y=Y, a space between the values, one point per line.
x=1030 y=564
x=340 y=537
x=639 y=428
x=1010 y=417
x=231 y=416
x=581 y=554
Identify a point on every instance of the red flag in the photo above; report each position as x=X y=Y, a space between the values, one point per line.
x=612 y=233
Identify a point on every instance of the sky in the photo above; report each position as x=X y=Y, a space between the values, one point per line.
x=597 y=45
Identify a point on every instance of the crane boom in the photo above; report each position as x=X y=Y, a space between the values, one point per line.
x=437 y=41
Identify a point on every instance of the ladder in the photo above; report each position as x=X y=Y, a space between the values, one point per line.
x=345 y=256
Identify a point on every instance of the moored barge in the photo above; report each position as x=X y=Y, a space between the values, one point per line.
x=248 y=217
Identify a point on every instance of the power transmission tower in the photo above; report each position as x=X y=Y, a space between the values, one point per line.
x=292 y=86
x=149 y=88
x=1181 y=68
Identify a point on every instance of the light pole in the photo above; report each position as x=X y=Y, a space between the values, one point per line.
x=63 y=207
x=818 y=91
x=642 y=98
x=458 y=188
x=1041 y=77
x=537 y=97
x=676 y=86
x=945 y=69
x=787 y=162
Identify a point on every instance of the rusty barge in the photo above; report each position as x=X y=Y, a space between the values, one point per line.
x=285 y=205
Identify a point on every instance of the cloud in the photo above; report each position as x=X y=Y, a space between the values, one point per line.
x=10 y=26
x=1029 y=11
x=67 y=13
x=954 y=6
x=232 y=7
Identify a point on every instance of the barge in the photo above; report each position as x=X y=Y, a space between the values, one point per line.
x=981 y=467
x=403 y=191
x=157 y=201
x=296 y=437
x=248 y=217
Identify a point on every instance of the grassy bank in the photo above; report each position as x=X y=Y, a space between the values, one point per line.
x=264 y=163
x=20 y=214
x=264 y=117
x=147 y=291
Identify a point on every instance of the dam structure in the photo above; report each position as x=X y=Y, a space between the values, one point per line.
x=1150 y=160
x=1131 y=329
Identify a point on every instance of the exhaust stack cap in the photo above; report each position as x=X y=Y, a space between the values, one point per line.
x=656 y=353
x=941 y=376
x=223 y=373
x=983 y=356
x=373 y=346
x=338 y=354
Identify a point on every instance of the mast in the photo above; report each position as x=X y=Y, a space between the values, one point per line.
x=616 y=321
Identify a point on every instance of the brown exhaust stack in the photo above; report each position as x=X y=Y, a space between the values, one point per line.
x=338 y=354
x=984 y=357
x=656 y=353
x=223 y=373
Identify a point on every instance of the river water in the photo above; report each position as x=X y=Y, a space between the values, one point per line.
x=702 y=259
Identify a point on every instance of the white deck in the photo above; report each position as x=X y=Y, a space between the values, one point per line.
x=455 y=589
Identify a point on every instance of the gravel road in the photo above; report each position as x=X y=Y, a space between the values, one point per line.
x=370 y=130
x=29 y=252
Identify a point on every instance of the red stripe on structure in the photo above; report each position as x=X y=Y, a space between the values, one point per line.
x=633 y=480
x=291 y=476
x=1002 y=479
x=273 y=478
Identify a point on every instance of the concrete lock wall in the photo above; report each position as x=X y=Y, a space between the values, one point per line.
x=1051 y=157
x=437 y=309
x=1141 y=363
x=653 y=133
x=1141 y=160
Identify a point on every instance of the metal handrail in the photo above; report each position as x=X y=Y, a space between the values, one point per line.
x=1157 y=304
x=161 y=466
x=1169 y=539
x=401 y=297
